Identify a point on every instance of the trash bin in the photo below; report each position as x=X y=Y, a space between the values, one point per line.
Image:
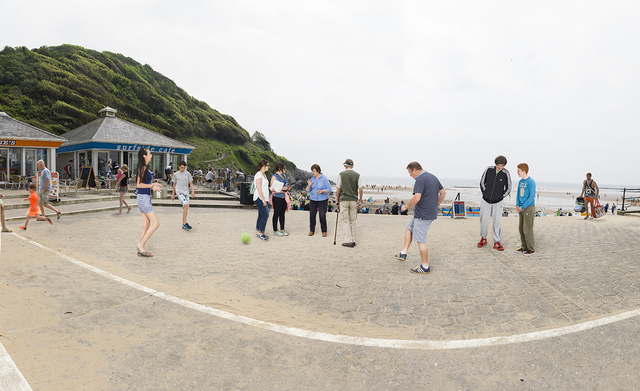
x=246 y=198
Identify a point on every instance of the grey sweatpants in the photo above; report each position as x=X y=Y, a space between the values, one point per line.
x=490 y=212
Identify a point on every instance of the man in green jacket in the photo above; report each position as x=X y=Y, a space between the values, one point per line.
x=349 y=196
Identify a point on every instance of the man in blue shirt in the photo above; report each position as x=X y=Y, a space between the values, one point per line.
x=428 y=193
x=525 y=205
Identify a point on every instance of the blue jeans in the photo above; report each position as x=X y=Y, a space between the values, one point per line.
x=263 y=215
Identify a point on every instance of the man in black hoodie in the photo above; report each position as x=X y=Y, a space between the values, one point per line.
x=495 y=185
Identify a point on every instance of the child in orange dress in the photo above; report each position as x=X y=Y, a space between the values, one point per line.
x=34 y=209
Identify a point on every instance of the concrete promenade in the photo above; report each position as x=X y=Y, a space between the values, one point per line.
x=79 y=309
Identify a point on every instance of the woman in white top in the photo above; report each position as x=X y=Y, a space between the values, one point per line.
x=261 y=197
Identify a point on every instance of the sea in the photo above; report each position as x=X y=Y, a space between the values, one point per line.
x=551 y=195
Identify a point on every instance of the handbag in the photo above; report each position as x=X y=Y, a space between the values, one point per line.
x=598 y=210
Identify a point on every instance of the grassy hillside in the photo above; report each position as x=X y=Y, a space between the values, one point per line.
x=61 y=88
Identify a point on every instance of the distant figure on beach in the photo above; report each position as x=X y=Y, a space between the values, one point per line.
x=525 y=204
x=45 y=189
x=4 y=227
x=280 y=198
x=123 y=186
x=145 y=185
x=318 y=187
x=495 y=185
x=613 y=209
x=428 y=194
x=405 y=211
x=606 y=208
x=394 y=209
x=260 y=197
x=182 y=181
x=349 y=196
x=33 y=207
x=590 y=191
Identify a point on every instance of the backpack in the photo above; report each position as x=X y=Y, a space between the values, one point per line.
x=252 y=189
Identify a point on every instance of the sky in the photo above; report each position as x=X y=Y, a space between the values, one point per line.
x=449 y=84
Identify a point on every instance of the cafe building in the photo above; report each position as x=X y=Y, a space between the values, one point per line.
x=111 y=138
x=22 y=145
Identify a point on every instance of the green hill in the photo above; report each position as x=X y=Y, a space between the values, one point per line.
x=61 y=88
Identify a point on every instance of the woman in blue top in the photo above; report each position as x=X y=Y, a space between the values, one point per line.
x=279 y=200
x=318 y=188
x=145 y=185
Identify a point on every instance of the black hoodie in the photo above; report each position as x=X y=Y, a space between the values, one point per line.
x=495 y=187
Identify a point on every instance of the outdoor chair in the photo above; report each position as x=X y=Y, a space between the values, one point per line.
x=218 y=183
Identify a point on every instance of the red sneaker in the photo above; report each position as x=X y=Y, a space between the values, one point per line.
x=498 y=247
x=482 y=242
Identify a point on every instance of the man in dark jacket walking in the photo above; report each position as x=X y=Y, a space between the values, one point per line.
x=495 y=185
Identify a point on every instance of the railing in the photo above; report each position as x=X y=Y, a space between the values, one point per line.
x=624 y=194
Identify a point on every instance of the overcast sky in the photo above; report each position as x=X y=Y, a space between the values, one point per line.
x=449 y=84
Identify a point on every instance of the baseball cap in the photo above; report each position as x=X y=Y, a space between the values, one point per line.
x=348 y=162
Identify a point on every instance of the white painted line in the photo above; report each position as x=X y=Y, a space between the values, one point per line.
x=361 y=341
x=11 y=378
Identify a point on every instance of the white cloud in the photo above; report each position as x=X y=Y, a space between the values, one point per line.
x=450 y=84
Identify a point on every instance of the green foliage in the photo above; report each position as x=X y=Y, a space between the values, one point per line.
x=261 y=140
x=63 y=87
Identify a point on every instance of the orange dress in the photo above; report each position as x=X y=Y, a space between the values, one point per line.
x=34 y=210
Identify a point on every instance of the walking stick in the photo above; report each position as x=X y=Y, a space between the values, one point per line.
x=336 y=230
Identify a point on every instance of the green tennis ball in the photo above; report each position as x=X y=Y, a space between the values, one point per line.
x=245 y=238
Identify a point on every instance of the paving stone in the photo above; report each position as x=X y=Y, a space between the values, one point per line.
x=494 y=318
x=398 y=310
x=478 y=310
x=518 y=327
x=425 y=310
x=469 y=320
x=522 y=316
x=547 y=313
x=440 y=320
x=345 y=307
x=383 y=319
x=411 y=320
x=457 y=330
x=370 y=309
x=452 y=311
x=486 y=301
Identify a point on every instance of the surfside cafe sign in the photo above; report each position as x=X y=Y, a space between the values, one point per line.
x=122 y=147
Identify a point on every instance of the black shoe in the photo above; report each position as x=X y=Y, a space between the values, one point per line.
x=352 y=244
x=188 y=226
x=529 y=252
x=401 y=257
x=421 y=270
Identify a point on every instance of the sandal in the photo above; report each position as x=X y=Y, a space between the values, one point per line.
x=129 y=210
x=58 y=215
x=143 y=254
x=6 y=230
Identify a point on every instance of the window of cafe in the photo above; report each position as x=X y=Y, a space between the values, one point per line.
x=102 y=162
x=156 y=166
x=15 y=161
x=84 y=159
x=4 y=163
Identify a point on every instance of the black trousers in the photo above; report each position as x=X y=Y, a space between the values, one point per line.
x=318 y=206
x=279 y=209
